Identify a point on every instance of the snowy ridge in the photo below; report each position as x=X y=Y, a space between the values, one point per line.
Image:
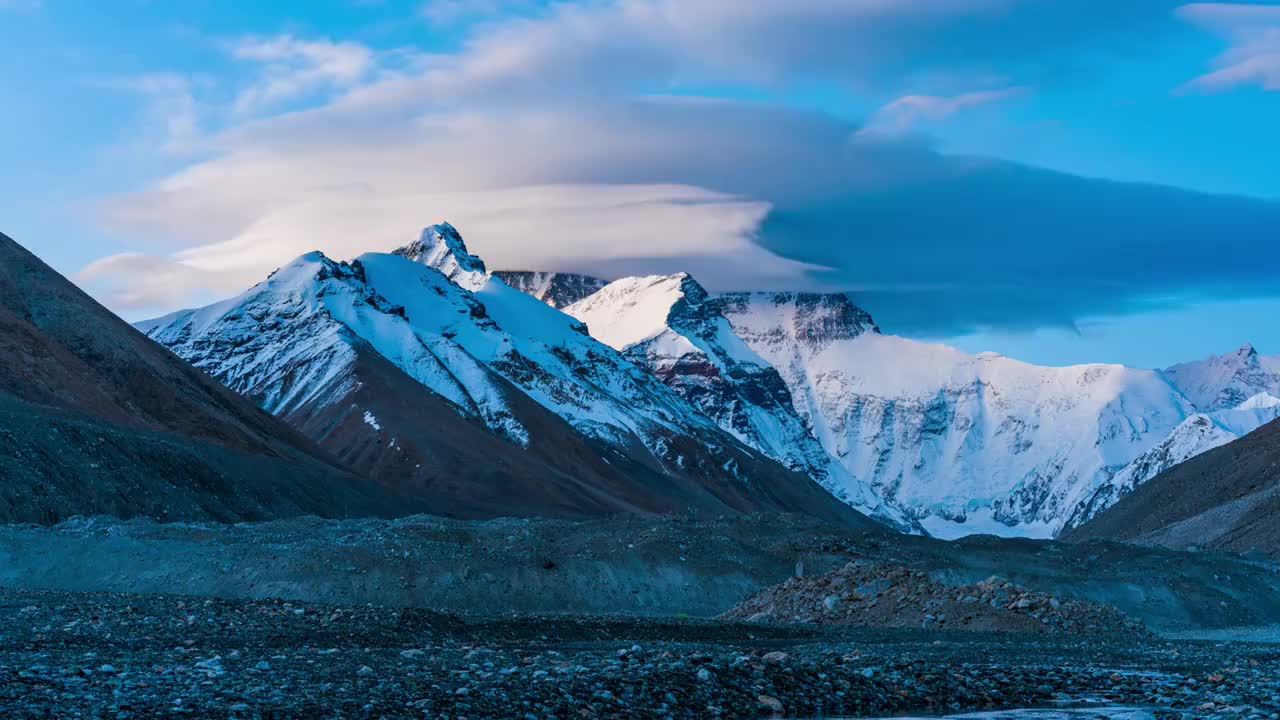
x=670 y=326
x=983 y=443
x=544 y=352
x=967 y=442
x=290 y=341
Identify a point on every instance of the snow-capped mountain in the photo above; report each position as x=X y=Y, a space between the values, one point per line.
x=557 y=289
x=964 y=443
x=670 y=326
x=305 y=343
x=1225 y=381
x=967 y=443
x=1197 y=434
x=652 y=394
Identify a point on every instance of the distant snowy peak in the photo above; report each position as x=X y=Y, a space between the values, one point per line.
x=441 y=247
x=673 y=328
x=670 y=314
x=964 y=443
x=806 y=320
x=1225 y=381
x=557 y=289
x=1197 y=434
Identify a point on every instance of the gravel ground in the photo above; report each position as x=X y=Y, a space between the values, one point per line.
x=99 y=655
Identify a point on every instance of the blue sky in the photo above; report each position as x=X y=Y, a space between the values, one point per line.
x=1058 y=180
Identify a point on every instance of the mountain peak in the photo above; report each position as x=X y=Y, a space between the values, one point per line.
x=691 y=289
x=1224 y=381
x=441 y=247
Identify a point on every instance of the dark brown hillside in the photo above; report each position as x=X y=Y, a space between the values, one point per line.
x=94 y=417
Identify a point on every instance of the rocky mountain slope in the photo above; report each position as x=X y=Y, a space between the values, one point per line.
x=438 y=379
x=559 y=290
x=671 y=327
x=95 y=418
x=1228 y=497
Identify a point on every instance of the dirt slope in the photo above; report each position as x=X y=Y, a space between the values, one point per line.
x=94 y=417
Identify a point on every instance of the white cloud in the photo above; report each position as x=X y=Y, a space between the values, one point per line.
x=1253 y=34
x=596 y=228
x=293 y=67
x=141 y=282
x=548 y=141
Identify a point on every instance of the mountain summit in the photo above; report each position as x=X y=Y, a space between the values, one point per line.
x=441 y=247
x=1225 y=381
x=671 y=326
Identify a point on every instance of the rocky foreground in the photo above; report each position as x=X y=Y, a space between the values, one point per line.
x=97 y=655
x=870 y=594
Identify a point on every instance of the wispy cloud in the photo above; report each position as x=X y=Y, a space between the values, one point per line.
x=907 y=112
x=170 y=112
x=292 y=67
x=455 y=12
x=1253 y=34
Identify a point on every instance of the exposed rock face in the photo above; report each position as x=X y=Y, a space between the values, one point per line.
x=313 y=341
x=559 y=290
x=671 y=327
x=95 y=418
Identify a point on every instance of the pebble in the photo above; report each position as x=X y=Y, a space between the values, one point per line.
x=577 y=667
